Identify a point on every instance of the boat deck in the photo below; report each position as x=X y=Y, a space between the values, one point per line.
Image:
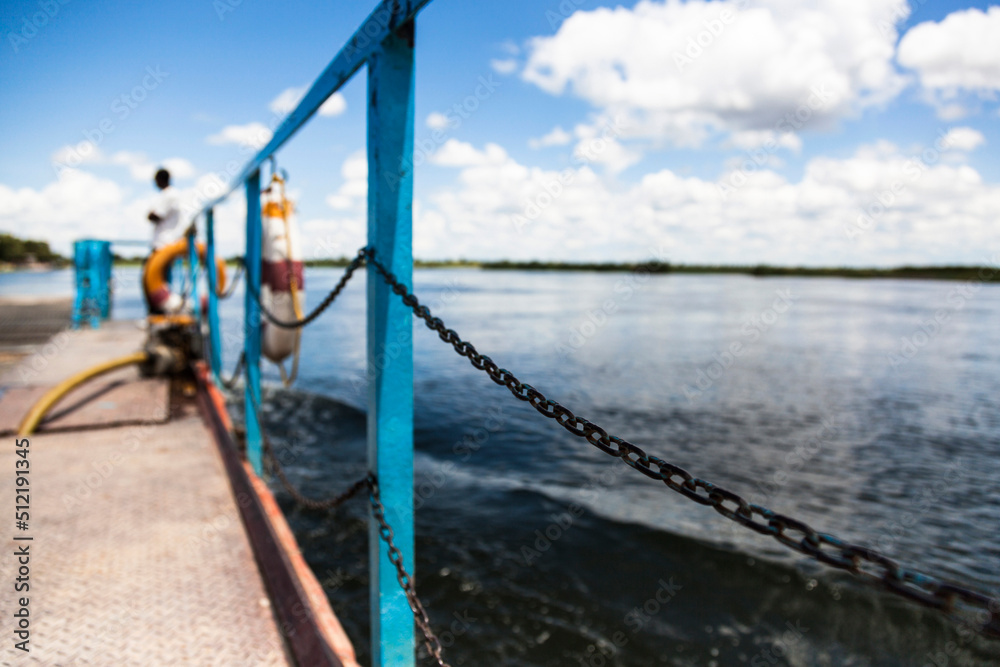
x=138 y=554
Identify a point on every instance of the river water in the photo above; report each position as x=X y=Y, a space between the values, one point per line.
x=869 y=409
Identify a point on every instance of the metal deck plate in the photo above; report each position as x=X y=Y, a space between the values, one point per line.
x=104 y=402
x=139 y=556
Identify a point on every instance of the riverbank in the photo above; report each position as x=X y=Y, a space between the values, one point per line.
x=974 y=273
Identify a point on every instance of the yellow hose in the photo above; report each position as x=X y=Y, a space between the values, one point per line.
x=52 y=396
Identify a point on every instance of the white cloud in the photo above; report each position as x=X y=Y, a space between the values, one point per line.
x=455 y=153
x=963 y=138
x=354 y=190
x=749 y=139
x=503 y=65
x=927 y=209
x=937 y=212
x=951 y=111
x=76 y=204
x=961 y=53
x=79 y=204
x=286 y=100
x=334 y=105
x=684 y=71
x=437 y=121
x=595 y=147
x=557 y=137
x=138 y=164
x=140 y=167
x=179 y=168
x=72 y=156
x=510 y=48
x=255 y=135
x=289 y=98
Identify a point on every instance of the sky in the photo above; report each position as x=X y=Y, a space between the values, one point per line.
x=820 y=133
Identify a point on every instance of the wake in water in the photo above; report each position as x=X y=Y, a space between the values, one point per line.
x=518 y=572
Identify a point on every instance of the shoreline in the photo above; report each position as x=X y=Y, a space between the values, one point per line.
x=976 y=273
x=985 y=274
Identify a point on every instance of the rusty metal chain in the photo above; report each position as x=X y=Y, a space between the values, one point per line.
x=297 y=496
x=231 y=287
x=431 y=642
x=861 y=561
x=230 y=384
x=334 y=293
x=279 y=471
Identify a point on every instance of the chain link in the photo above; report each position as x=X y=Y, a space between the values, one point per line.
x=279 y=471
x=431 y=642
x=297 y=496
x=334 y=293
x=231 y=287
x=230 y=384
x=792 y=533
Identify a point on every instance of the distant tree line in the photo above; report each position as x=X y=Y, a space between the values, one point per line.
x=15 y=250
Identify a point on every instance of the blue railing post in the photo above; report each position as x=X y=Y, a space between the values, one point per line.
x=192 y=239
x=390 y=333
x=214 y=340
x=251 y=323
x=92 y=265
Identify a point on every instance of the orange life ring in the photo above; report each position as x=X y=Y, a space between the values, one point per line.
x=154 y=280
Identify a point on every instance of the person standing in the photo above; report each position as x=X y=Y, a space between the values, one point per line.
x=166 y=213
x=166 y=220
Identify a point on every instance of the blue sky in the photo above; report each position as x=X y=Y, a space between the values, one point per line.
x=893 y=164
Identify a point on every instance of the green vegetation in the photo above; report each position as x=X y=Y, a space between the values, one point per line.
x=977 y=273
x=980 y=273
x=119 y=260
x=22 y=252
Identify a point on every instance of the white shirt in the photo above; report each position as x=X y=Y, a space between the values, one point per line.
x=168 y=208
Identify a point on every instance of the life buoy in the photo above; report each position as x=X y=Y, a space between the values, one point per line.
x=282 y=277
x=154 y=277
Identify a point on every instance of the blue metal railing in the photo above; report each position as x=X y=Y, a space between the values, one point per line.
x=384 y=42
x=92 y=273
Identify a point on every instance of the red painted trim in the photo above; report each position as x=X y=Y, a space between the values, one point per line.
x=295 y=615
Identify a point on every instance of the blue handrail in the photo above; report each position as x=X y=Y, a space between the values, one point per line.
x=384 y=42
